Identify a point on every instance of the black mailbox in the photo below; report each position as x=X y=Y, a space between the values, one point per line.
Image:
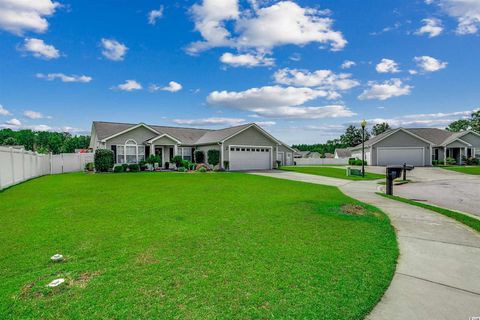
x=394 y=172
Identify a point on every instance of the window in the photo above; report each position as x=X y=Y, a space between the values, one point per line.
x=120 y=154
x=186 y=153
x=141 y=153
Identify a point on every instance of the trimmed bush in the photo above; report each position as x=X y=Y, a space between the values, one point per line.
x=202 y=169
x=103 y=160
x=470 y=161
x=89 y=166
x=182 y=169
x=202 y=165
x=178 y=160
x=118 y=169
x=199 y=156
x=185 y=164
x=226 y=165
x=451 y=161
x=133 y=167
x=351 y=161
x=279 y=163
x=213 y=157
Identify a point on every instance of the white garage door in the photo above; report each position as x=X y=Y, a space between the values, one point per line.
x=250 y=158
x=399 y=156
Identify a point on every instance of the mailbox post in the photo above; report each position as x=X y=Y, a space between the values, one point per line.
x=394 y=172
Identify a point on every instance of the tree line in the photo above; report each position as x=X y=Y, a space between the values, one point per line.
x=44 y=141
x=353 y=135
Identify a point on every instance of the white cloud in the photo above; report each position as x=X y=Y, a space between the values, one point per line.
x=113 y=50
x=412 y=71
x=129 y=85
x=387 y=66
x=35 y=115
x=385 y=90
x=172 y=87
x=266 y=123
x=210 y=121
x=64 y=78
x=431 y=26
x=246 y=60
x=467 y=13
x=347 y=64
x=278 y=102
x=295 y=56
x=263 y=28
x=430 y=64
x=13 y=122
x=154 y=15
x=40 y=49
x=18 y=16
x=3 y=111
x=322 y=79
x=424 y=120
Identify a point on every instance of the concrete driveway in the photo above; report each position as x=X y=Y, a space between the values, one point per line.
x=443 y=188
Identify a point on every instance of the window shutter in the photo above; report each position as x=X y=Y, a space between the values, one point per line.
x=114 y=149
x=147 y=151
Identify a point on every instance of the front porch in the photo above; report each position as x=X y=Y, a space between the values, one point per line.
x=457 y=153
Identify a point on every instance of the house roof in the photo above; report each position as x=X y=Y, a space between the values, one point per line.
x=187 y=136
x=435 y=136
x=343 y=153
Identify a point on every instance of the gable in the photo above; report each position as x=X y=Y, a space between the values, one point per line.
x=251 y=136
x=472 y=138
x=401 y=139
x=140 y=135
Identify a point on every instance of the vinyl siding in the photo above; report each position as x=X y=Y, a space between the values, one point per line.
x=140 y=135
x=473 y=139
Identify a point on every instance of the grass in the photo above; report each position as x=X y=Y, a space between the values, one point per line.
x=464 y=169
x=460 y=217
x=339 y=173
x=190 y=246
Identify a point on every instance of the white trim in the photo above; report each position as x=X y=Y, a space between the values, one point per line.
x=457 y=139
x=130 y=129
x=221 y=155
x=248 y=127
x=164 y=135
x=248 y=146
x=423 y=152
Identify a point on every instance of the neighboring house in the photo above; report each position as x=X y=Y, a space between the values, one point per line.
x=307 y=154
x=418 y=146
x=329 y=155
x=246 y=147
x=343 y=153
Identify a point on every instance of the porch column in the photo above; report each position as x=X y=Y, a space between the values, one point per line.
x=221 y=155
x=444 y=155
x=466 y=154
x=175 y=150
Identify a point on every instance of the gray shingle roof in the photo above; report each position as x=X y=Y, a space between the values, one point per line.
x=343 y=153
x=187 y=136
x=434 y=135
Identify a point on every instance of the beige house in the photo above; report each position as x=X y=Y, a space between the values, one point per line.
x=246 y=147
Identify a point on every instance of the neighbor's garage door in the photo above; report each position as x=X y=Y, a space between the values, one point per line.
x=399 y=156
x=250 y=158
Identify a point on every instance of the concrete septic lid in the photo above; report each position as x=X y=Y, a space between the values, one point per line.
x=56 y=283
x=57 y=257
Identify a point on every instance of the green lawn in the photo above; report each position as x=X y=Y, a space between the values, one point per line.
x=189 y=246
x=460 y=217
x=339 y=173
x=464 y=169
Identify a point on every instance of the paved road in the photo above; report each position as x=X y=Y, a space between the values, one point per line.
x=438 y=272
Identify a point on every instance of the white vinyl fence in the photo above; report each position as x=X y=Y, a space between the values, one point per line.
x=319 y=161
x=18 y=165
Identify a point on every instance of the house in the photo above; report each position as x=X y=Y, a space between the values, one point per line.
x=329 y=155
x=418 y=146
x=307 y=154
x=246 y=147
x=343 y=153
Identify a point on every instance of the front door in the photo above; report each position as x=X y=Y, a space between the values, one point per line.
x=158 y=152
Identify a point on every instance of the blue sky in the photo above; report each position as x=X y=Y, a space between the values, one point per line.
x=302 y=69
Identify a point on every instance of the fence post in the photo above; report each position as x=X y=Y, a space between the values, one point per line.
x=12 y=164
x=51 y=165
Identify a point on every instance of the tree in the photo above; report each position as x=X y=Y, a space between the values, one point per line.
x=353 y=136
x=380 y=128
x=475 y=121
x=459 y=125
x=10 y=141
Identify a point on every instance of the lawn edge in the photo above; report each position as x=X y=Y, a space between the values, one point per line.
x=467 y=220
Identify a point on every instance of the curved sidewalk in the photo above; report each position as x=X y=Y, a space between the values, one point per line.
x=438 y=271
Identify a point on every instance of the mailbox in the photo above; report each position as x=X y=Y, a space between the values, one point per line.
x=394 y=172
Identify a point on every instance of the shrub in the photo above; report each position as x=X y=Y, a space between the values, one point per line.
x=451 y=161
x=358 y=162
x=89 y=166
x=279 y=163
x=202 y=169
x=470 y=161
x=213 y=157
x=434 y=162
x=226 y=165
x=125 y=167
x=199 y=156
x=351 y=161
x=118 y=169
x=152 y=159
x=202 y=165
x=185 y=164
x=181 y=169
x=133 y=167
x=103 y=160
x=178 y=160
